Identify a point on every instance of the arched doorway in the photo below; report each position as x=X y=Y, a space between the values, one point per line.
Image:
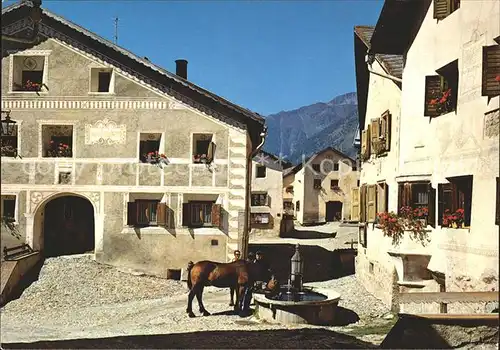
x=333 y=211
x=68 y=226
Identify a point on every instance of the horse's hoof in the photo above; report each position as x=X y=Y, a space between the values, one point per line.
x=206 y=313
x=190 y=314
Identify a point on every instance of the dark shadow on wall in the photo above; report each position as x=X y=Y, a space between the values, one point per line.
x=308 y=234
x=320 y=264
x=269 y=339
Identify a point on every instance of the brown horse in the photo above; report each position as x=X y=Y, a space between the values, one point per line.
x=239 y=275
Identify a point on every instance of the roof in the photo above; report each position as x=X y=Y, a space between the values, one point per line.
x=174 y=85
x=298 y=167
x=397 y=25
x=392 y=64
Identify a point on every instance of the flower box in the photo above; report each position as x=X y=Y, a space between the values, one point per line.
x=453 y=220
x=59 y=150
x=443 y=102
x=156 y=158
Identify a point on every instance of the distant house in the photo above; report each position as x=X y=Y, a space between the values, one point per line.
x=120 y=158
x=319 y=190
x=430 y=144
x=266 y=199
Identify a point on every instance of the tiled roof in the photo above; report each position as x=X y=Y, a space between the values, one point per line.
x=393 y=64
x=243 y=111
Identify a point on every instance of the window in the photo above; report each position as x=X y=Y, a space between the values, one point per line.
x=382 y=197
x=57 y=141
x=491 y=71
x=334 y=184
x=441 y=91
x=201 y=214
x=101 y=80
x=336 y=166
x=358 y=183
x=65 y=178
x=8 y=207
x=203 y=148
x=260 y=218
x=260 y=171
x=28 y=73
x=146 y=212
x=418 y=195
x=385 y=132
x=9 y=143
x=455 y=195
x=317 y=184
x=316 y=167
x=297 y=205
x=497 y=216
x=149 y=147
x=365 y=143
x=259 y=199
x=444 y=8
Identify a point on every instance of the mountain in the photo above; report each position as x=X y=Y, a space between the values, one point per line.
x=309 y=129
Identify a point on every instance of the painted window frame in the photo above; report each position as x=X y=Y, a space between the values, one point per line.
x=45 y=75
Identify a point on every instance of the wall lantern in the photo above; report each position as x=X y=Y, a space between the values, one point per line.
x=7 y=124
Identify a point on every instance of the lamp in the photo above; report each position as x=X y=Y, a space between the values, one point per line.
x=7 y=124
x=297 y=269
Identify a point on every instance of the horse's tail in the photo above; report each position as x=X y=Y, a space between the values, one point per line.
x=189 y=267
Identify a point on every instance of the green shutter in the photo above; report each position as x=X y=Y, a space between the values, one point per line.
x=491 y=70
x=432 y=91
x=441 y=9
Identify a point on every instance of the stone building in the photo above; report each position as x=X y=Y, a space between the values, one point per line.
x=117 y=155
x=266 y=199
x=320 y=188
x=428 y=85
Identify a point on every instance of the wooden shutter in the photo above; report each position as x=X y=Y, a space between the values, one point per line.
x=387 y=130
x=432 y=91
x=371 y=203
x=364 y=142
x=362 y=204
x=211 y=151
x=186 y=214
x=446 y=200
x=407 y=195
x=375 y=128
x=441 y=8
x=131 y=213
x=355 y=204
x=381 y=198
x=161 y=214
x=491 y=70
x=400 y=196
x=431 y=218
x=497 y=218
x=368 y=140
x=217 y=215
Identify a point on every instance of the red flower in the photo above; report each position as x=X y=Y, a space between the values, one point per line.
x=497 y=78
x=433 y=101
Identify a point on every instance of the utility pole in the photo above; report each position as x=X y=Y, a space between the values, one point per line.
x=116 y=30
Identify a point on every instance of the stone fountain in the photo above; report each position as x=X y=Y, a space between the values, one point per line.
x=296 y=303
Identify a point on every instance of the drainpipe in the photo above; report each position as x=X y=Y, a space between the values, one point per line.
x=369 y=58
x=246 y=224
x=36 y=17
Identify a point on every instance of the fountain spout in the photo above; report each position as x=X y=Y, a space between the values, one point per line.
x=296 y=271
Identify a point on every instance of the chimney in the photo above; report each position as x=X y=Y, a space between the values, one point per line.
x=181 y=68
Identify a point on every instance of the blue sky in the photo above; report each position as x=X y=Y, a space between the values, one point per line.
x=267 y=56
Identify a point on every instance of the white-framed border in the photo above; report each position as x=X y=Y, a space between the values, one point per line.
x=42 y=122
x=45 y=77
x=111 y=91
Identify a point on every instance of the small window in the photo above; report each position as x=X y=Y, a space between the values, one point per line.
x=317 y=184
x=385 y=132
x=148 y=212
x=149 y=147
x=28 y=73
x=336 y=166
x=297 y=205
x=454 y=201
x=8 y=207
x=334 y=184
x=101 y=80
x=444 y=8
x=260 y=218
x=203 y=148
x=65 y=178
x=57 y=141
x=441 y=91
x=260 y=171
x=491 y=71
x=214 y=242
x=316 y=167
x=9 y=143
x=421 y=197
x=357 y=183
x=259 y=199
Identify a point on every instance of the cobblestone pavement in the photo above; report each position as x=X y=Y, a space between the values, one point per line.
x=75 y=297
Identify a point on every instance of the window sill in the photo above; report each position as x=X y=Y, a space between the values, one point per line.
x=95 y=93
x=29 y=92
x=144 y=229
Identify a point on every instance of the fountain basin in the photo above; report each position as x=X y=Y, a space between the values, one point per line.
x=313 y=306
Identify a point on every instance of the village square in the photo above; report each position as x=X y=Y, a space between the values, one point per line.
x=140 y=210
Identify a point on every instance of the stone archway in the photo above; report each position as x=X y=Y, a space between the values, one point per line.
x=64 y=225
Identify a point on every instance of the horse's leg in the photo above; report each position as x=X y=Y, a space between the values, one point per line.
x=232 y=292
x=240 y=298
x=199 y=296
x=191 y=295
